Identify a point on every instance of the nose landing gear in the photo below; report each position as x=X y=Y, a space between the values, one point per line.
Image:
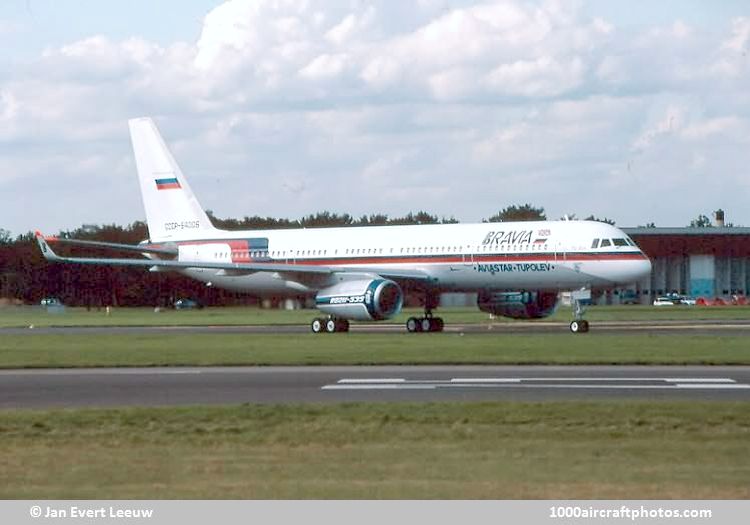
x=579 y=325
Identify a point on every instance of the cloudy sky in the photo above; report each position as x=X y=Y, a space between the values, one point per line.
x=638 y=111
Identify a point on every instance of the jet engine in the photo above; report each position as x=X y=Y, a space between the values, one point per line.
x=362 y=300
x=518 y=305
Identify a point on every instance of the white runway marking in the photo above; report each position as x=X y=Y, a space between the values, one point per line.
x=362 y=381
x=486 y=380
x=405 y=386
x=611 y=383
x=693 y=385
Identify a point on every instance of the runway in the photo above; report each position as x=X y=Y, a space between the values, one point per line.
x=696 y=327
x=117 y=387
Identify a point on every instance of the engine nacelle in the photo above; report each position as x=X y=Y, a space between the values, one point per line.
x=518 y=305
x=372 y=300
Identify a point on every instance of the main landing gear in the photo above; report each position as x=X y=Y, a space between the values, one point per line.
x=427 y=323
x=579 y=325
x=330 y=325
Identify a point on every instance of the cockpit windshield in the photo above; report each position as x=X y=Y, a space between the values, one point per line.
x=603 y=243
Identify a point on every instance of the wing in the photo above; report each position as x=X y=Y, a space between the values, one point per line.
x=223 y=268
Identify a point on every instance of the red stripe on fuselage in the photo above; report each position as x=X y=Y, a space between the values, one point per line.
x=239 y=248
x=333 y=261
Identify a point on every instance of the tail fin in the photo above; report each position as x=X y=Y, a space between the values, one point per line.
x=172 y=211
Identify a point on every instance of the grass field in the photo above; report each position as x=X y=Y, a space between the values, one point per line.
x=38 y=316
x=71 y=350
x=75 y=350
x=607 y=449
x=629 y=450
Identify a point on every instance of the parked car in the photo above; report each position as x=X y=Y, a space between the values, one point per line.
x=674 y=299
x=629 y=297
x=681 y=299
x=50 y=301
x=186 y=304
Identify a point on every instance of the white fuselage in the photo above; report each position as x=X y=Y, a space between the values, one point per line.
x=548 y=255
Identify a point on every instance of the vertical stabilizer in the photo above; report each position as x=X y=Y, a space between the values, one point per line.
x=172 y=211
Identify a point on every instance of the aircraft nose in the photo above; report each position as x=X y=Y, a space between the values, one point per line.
x=644 y=267
x=638 y=269
x=627 y=272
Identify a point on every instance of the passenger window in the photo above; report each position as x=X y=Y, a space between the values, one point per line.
x=595 y=244
x=605 y=242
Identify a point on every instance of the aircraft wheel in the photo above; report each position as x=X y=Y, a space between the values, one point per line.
x=331 y=326
x=438 y=324
x=413 y=325
x=579 y=327
x=317 y=325
x=342 y=325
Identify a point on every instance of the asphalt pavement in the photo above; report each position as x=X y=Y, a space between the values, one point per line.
x=723 y=327
x=170 y=386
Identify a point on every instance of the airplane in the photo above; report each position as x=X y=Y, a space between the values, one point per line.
x=517 y=269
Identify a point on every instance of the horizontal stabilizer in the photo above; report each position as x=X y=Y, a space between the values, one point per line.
x=160 y=249
x=229 y=268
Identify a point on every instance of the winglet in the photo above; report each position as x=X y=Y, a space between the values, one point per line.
x=46 y=250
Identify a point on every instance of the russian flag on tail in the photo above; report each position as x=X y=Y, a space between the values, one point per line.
x=167 y=184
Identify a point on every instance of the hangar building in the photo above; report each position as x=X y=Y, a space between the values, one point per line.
x=699 y=262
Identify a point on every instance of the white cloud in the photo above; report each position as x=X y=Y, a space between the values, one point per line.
x=544 y=77
x=382 y=72
x=739 y=41
x=364 y=107
x=325 y=66
x=716 y=126
x=351 y=27
x=8 y=106
x=672 y=119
